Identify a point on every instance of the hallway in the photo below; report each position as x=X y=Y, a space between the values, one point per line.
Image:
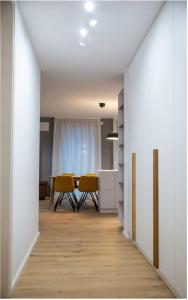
x=84 y=255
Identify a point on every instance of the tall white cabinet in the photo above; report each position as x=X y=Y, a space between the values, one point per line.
x=120 y=180
x=155 y=86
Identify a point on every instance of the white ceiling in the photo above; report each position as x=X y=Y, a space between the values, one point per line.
x=84 y=75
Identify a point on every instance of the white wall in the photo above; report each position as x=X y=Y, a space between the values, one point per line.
x=6 y=143
x=0 y=148
x=25 y=169
x=180 y=142
x=155 y=102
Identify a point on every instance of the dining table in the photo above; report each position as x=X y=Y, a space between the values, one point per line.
x=52 y=185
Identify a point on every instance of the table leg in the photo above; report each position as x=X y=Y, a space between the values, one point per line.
x=52 y=192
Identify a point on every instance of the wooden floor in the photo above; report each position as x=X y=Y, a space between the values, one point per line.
x=84 y=255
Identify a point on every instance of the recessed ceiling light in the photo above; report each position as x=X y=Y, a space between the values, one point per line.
x=83 y=32
x=89 y=6
x=82 y=44
x=93 y=22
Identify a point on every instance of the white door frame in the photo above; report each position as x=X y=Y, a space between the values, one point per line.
x=7 y=36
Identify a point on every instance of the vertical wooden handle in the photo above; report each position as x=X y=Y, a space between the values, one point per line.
x=155 y=210
x=134 y=196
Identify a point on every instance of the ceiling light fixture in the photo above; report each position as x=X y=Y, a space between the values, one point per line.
x=82 y=44
x=89 y=6
x=102 y=104
x=93 y=22
x=113 y=135
x=83 y=32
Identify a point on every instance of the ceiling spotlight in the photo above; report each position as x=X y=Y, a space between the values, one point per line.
x=93 y=22
x=102 y=104
x=83 y=32
x=82 y=44
x=89 y=6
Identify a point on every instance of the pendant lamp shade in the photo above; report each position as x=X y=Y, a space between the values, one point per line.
x=112 y=136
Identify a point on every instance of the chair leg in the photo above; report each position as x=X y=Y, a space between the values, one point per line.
x=89 y=197
x=57 y=202
x=95 y=203
x=66 y=196
x=96 y=196
x=71 y=201
x=62 y=195
x=85 y=197
x=82 y=200
x=74 y=196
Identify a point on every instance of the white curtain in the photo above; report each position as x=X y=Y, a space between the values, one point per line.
x=76 y=146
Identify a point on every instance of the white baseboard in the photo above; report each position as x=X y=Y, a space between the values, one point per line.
x=24 y=261
x=108 y=211
x=171 y=288
x=142 y=251
x=126 y=234
x=168 y=284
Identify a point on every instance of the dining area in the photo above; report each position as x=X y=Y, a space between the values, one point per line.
x=74 y=190
x=76 y=166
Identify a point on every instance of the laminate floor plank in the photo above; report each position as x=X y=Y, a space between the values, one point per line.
x=85 y=255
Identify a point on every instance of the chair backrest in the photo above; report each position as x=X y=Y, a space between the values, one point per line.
x=68 y=174
x=64 y=184
x=91 y=174
x=88 y=184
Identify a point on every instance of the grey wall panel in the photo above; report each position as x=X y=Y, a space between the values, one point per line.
x=106 y=145
x=46 y=147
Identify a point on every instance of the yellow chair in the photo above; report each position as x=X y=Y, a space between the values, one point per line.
x=91 y=174
x=68 y=174
x=88 y=185
x=64 y=185
x=75 y=181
